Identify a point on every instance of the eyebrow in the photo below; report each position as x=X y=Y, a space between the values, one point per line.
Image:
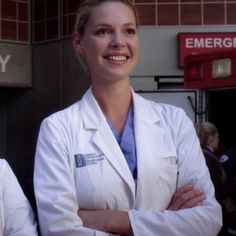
x=109 y=25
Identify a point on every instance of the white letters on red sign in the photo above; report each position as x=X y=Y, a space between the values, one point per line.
x=210 y=42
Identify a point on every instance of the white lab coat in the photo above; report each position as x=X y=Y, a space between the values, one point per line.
x=79 y=164
x=16 y=215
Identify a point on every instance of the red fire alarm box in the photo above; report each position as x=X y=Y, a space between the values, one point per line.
x=210 y=70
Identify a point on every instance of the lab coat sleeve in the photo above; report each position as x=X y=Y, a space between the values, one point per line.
x=205 y=219
x=18 y=214
x=54 y=184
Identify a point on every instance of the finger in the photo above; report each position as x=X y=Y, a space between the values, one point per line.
x=188 y=196
x=193 y=202
x=177 y=203
x=184 y=189
x=181 y=191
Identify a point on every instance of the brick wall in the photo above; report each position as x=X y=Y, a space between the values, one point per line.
x=54 y=19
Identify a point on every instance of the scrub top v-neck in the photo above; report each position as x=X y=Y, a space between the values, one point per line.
x=126 y=140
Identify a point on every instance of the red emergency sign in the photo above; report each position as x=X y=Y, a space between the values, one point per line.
x=195 y=43
x=210 y=70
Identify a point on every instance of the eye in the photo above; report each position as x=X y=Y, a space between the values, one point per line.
x=131 y=31
x=102 y=32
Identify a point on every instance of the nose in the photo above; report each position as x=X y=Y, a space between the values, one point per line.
x=118 y=40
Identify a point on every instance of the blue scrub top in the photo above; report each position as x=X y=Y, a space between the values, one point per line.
x=126 y=140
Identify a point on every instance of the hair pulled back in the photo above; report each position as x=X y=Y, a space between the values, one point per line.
x=83 y=13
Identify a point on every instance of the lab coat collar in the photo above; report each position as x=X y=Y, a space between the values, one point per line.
x=94 y=116
x=143 y=110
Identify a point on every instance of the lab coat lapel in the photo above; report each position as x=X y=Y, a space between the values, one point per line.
x=149 y=148
x=106 y=142
x=148 y=132
x=104 y=139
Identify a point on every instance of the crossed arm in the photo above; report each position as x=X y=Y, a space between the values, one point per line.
x=114 y=221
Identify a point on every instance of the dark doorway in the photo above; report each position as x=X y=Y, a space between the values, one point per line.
x=222 y=112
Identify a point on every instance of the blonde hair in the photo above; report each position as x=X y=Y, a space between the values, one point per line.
x=83 y=13
x=204 y=130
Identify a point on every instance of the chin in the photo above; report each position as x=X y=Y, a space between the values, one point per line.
x=120 y=73
x=118 y=76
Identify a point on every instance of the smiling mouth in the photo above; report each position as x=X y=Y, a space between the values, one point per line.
x=117 y=58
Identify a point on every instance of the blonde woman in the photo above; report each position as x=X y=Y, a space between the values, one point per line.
x=114 y=163
x=209 y=139
x=208 y=135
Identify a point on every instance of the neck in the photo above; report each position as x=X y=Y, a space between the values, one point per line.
x=114 y=101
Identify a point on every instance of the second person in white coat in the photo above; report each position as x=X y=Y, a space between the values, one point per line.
x=16 y=215
x=115 y=163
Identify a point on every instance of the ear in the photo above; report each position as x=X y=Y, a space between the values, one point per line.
x=77 y=42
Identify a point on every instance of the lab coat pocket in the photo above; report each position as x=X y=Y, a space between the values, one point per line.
x=169 y=160
x=157 y=185
x=168 y=172
x=167 y=175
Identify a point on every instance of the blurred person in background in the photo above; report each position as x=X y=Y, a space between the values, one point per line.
x=209 y=140
x=208 y=135
x=228 y=161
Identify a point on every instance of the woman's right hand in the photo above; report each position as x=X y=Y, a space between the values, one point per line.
x=186 y=197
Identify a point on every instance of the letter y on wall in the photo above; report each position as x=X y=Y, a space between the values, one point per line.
x=4 y=61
